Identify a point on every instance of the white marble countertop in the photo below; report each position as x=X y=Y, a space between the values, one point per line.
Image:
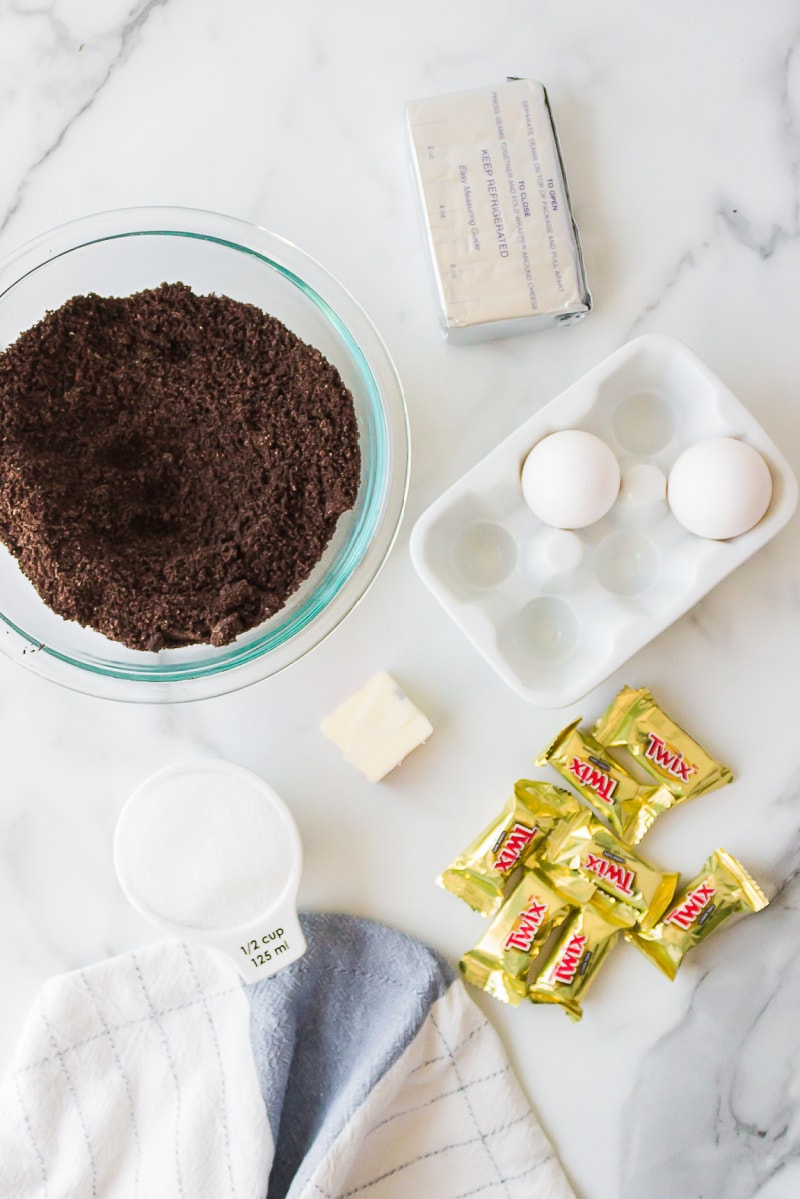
x=680 y=126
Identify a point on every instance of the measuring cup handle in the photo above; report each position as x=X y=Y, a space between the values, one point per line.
x=267 y=945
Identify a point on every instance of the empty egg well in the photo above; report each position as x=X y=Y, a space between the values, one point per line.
x=627 y=563
x=546 y=629
x=484 y=554
x=643 y=423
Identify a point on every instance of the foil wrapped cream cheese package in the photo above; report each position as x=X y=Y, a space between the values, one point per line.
x=503 y=242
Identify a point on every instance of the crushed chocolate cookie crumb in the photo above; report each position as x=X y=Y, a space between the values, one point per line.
x=172 y=466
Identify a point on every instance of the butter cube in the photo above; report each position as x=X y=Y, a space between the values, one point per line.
x=377 y=727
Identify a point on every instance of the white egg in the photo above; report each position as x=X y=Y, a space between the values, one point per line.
x=719 y=488
x=570 y=479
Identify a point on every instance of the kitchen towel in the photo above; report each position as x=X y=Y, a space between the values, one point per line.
x=364 y=1069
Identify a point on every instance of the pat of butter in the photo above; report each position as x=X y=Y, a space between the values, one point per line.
x=501 y=236
x=377 y=727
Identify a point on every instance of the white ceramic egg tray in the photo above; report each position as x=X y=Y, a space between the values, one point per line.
x=556 y=612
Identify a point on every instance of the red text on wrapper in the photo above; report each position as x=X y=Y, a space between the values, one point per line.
x=516 y=840
x=528 y=924
x=619 y=876
x=594 y=778
x=685 y=914
x=668 y=759
x=567 y=964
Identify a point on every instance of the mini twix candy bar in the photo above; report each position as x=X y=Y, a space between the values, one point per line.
x=501 y=961
x=584 y=848
x=722 y=888
x=635 y=721
x=629 y=806
x=488 y=868
x=583 y=944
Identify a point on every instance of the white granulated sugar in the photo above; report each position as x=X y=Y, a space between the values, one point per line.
x=204 y=849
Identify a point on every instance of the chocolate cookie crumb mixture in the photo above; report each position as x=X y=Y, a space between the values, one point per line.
x=172 y=466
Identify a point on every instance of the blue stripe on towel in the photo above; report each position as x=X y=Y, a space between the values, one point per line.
x=327 y=1028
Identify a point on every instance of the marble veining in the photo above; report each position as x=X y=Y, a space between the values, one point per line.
x=726 y=1078
x=57 y=42
x=680 y=126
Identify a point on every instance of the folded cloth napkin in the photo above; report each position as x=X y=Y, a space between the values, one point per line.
x=364 y=1069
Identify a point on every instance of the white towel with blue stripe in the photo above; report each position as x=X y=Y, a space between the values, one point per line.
x=364 y=1069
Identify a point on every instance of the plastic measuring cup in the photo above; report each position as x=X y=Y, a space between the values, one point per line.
x=209 y=852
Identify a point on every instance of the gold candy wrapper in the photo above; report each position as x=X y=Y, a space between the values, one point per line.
x=630 y=807
x=722 y=888
x=490 y=866
x=501 y=961
x=583 y=944
x=635 y=721
x=583 y=848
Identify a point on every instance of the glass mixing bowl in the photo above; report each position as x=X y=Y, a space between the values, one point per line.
x=117 y=253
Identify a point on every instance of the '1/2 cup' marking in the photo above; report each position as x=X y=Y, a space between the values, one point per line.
x=270 y=946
